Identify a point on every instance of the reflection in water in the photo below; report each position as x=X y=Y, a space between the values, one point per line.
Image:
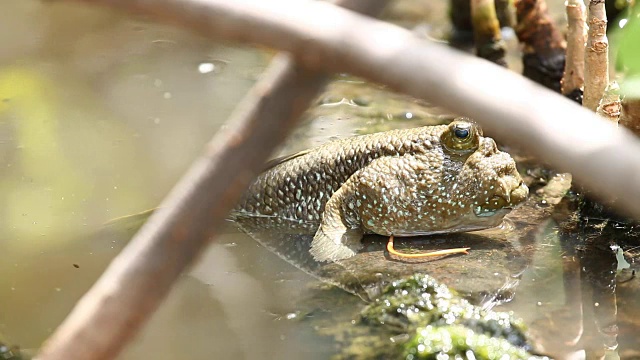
x=598 y=316
x=237 y=302
x=236 y=291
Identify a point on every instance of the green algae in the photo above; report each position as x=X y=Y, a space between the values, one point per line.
x=439 y=322
x=460 y=342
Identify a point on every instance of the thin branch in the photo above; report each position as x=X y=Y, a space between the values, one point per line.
x=135 y=283
x=596 y=60
x=573 y=77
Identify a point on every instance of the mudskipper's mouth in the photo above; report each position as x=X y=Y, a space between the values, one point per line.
x=486 y=210
x=507 y=197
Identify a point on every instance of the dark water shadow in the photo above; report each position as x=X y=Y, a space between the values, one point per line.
x=600 y=314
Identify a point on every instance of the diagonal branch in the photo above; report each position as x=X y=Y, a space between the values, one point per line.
x=135 y=283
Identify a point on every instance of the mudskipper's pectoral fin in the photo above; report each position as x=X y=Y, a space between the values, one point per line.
x=335 y=240
x=333 y=244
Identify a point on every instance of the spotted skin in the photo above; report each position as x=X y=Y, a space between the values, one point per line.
x=427 y=180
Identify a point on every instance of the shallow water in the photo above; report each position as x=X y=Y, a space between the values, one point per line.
x=101 y=114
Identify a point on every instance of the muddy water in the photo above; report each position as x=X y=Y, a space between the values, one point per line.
x=101 y=114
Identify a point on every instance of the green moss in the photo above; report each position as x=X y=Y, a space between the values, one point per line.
x=460 y=342
x=434 y=317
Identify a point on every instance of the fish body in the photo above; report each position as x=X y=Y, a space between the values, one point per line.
x=435 y=179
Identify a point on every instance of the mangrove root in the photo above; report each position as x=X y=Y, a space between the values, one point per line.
x=486 y=32
x=544 y=47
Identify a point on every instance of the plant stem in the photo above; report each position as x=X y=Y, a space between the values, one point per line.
x=573 y=77
x=596 y=60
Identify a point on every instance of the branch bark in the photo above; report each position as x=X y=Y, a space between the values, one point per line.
x=573 y=77
x=131 y=289
x=596 y=61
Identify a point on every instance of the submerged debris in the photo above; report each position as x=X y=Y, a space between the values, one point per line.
x=440 y=322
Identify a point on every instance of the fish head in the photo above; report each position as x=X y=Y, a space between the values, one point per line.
x=482 y=182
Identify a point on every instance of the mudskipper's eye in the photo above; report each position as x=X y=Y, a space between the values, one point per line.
x=462 y=134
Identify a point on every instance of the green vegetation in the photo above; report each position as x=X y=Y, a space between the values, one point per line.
x=628 y=53
x=440 y=322
x=430 y=342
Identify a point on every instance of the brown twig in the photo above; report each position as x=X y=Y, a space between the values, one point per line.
x=544 y=47
x=486 y=32
x=573 y=77
x=596 y=60
x=133 y=286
